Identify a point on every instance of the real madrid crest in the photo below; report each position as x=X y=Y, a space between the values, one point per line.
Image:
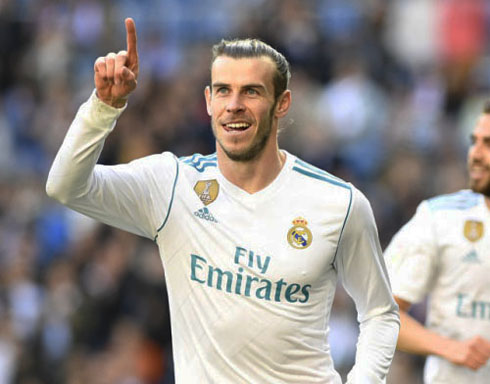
x=299 y=235
x=207 y=190
x=473 y=230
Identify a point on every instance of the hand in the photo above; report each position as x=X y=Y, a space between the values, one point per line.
x=115 y=75
x=472 y=353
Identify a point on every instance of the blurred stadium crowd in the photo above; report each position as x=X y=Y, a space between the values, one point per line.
x=384 y=95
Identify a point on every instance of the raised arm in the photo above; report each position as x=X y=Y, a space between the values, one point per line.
x=133 y=196
x=116 y=75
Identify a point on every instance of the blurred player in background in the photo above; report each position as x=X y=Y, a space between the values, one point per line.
x=444 y=252
x=252 y=239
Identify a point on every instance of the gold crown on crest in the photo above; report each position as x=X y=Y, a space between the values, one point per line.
x=300 y=221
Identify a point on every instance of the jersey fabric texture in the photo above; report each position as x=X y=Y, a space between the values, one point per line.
x=250 y=277
x=444 y=252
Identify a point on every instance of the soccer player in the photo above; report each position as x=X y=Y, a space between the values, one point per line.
x=252 y=238
x=443 y=252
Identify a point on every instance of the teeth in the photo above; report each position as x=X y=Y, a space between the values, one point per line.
x=237 y=125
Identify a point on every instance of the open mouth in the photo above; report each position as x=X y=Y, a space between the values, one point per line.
x=236 y=127
x=478 y=171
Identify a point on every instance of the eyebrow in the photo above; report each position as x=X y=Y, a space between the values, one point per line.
x=485 y=138
x=246 y=86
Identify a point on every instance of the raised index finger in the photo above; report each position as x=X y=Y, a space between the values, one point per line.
x=131 y=41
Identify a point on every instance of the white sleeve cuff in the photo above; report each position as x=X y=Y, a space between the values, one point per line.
x=99 y=114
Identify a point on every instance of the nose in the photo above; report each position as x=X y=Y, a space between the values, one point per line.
x=475 y=152
x=235 y=104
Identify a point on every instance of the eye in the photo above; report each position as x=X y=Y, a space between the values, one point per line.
x=251 y=92
x=221 y=91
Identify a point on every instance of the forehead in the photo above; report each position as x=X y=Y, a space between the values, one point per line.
x=242 y=71
x=482 y=127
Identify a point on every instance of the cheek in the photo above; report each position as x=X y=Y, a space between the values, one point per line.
x=264 y=112
x=213 y=108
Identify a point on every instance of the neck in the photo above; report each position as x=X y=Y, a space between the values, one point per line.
x=254 y=175
x=487 y=201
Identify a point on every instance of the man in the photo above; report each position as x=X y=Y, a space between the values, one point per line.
x=444 y=252
x=252 y=238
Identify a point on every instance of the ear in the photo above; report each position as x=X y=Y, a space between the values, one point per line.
x=283 y=104
x=207 y=96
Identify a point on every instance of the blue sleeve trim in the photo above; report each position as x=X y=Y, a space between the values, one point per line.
x=171 y=200
x=342 y=230
x=321 y=177
x=455 y=201
x=311 y=167
x=200 y=162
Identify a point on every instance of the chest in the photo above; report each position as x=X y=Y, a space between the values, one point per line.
x=464 y=250
x=285 y=238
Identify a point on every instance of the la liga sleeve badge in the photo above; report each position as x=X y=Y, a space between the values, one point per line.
x=473 y=230
x=207 y=190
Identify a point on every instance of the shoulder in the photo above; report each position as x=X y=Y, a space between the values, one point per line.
x=330 y=194
x=458 y=201
x=199 y=163
x=161 y=167
x=153 y=163
x=321 y=184
x=320 y=178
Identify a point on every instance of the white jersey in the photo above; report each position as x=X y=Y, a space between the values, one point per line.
x=250 y=277
x=444 y=252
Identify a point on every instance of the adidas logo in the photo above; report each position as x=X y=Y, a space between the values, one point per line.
x=471 y=257
x=204 y=213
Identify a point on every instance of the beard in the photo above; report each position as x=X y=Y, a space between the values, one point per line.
x=481 y=186
x=257 y=145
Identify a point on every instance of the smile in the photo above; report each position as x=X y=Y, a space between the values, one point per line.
x=477 y=171
x=241 y=126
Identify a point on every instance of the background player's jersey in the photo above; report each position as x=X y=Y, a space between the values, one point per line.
x=444 y=252
x=250 y=277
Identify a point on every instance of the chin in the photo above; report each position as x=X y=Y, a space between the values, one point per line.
x=241 y=156
x=483 y=189
x=246 y=154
